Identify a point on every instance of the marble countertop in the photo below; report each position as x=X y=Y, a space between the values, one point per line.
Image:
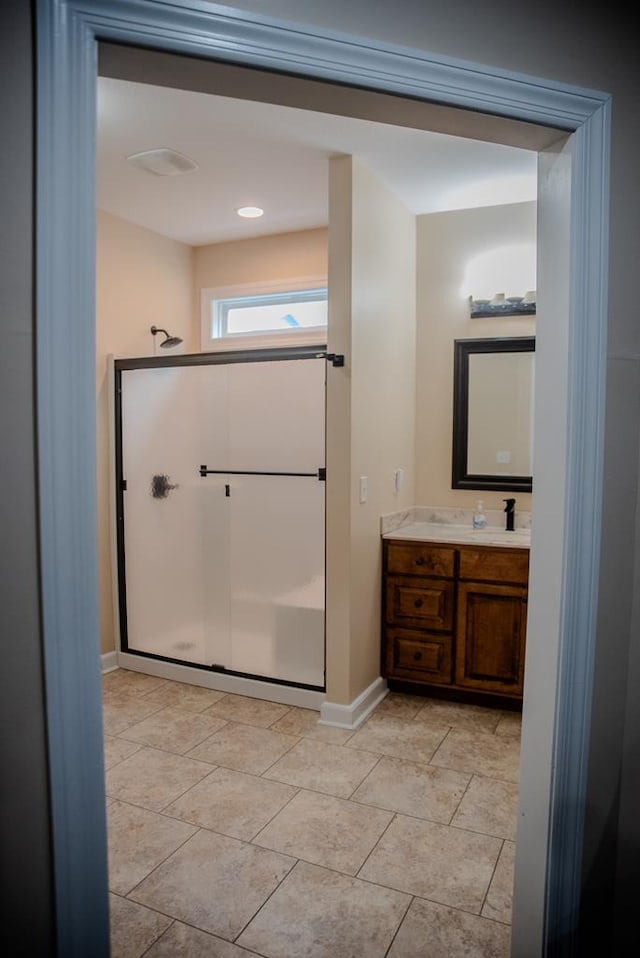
x=462 y=535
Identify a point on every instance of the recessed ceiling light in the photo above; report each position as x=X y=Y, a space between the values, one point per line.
x=250 y=212
x=162 y=162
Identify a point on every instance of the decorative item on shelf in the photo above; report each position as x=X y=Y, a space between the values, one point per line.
x=502 y=305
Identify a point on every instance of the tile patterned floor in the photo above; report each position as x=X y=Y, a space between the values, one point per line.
x=242 y=828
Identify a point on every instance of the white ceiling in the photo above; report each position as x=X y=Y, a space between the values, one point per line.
x=276 y=157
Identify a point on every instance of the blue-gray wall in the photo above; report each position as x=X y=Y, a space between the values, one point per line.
x=26 y=912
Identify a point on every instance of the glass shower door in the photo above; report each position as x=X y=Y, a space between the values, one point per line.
x=176 y=527
x=223 y=552
x=277 y=547
x=276 y=570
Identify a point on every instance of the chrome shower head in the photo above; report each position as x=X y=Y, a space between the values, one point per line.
x=169 y=341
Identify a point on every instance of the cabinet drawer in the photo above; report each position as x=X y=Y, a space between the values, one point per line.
x=420 y=603
x=418 y=558
x=418 y=656
x=494 y=565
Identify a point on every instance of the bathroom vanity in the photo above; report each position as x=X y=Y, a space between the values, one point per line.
x=454 y=611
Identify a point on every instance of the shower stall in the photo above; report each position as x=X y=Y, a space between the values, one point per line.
x=220 y=501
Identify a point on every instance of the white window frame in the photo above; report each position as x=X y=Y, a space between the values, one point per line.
x=279 y=337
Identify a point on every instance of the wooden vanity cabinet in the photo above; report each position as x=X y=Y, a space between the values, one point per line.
x=455 y=616
x=418 y=612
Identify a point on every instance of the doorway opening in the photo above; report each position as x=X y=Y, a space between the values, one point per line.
x=211 y=92
x=499 y=224
x=66 y=428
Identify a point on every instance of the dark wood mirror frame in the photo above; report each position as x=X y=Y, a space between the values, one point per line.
x=463 y=348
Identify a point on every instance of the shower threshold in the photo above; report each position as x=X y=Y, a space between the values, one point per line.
x=223 y=680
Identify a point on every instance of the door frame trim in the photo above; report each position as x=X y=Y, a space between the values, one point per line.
x=67 y=32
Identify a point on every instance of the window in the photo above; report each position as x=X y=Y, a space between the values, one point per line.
x=244 y=315
x=266 y=314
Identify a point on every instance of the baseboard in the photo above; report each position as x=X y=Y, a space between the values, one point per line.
x=352 y=715
x=108 y=661
x=222 y=681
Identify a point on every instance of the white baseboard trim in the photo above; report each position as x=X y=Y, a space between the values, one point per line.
x=222 y=682
x=352 y=715
x=108 y=661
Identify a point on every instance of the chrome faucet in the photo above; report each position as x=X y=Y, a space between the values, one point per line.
x=509 y=509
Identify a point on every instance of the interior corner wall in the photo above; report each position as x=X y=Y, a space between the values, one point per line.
x=371 y=406
x=446 y=243
x=383 y=331
x=142 y=279
x=338 y=493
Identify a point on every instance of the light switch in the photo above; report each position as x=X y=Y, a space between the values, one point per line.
x=398 y=479
x=364 y=488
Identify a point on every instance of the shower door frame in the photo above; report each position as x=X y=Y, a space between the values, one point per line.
x=227 y=357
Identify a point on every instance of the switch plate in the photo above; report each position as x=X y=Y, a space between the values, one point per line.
x=398 y=479
x=364 y=488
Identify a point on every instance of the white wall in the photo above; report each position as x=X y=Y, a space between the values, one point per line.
x=446 y=244
x=142 y=279
x=371 y=410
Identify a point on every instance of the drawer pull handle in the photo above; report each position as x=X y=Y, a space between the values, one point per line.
x=418 y=603
x=420 y=560
x=417 y=656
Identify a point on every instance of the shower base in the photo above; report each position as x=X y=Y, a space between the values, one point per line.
x=271 y=691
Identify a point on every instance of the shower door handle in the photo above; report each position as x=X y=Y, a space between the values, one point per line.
x=320 y=473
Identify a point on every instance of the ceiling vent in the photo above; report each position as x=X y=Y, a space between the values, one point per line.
x=162 y=162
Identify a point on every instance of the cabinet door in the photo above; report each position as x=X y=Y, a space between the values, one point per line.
x=490 y=639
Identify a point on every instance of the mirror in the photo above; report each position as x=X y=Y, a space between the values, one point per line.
x=493 y=396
